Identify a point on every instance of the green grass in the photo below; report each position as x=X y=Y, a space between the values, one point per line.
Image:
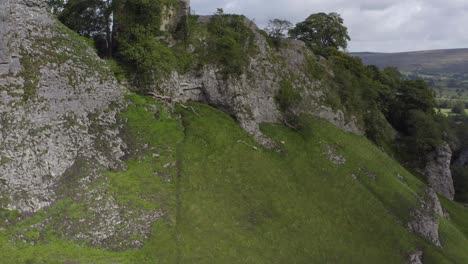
x=227 y=202
x=153 y=135
x=291 y=208
x=448 y=112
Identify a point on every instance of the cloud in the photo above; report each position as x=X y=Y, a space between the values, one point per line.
x=374 y=25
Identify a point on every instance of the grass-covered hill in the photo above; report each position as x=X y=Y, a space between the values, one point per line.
x=325 y=196
x=220 y=154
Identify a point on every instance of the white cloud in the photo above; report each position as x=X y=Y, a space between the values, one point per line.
x=374 y=25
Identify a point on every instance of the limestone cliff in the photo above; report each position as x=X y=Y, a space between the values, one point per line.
x=250 y=98
x=58 y=105
x=438 y=173
x=425 y=218
x=58 y=129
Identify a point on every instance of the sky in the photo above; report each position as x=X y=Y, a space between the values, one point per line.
x=374 y=25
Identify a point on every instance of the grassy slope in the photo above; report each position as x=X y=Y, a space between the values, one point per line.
x=227 y=202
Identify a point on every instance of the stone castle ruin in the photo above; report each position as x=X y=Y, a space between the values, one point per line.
x=173 y=15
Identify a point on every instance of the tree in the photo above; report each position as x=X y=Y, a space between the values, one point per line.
x=219 y=12
x=410 y=95
x=92 y=19
x=452 y=83
x=277 y=29
x=321 y=32
x=459 y=108
x=424 y=133
x=146 y=59
x=56 y=6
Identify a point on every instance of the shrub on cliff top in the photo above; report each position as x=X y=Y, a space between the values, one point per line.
x=230 y=42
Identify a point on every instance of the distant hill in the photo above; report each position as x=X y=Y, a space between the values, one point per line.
x=453 y=61
x=446 y=71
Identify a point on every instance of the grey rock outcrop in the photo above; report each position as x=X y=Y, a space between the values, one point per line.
x=416 y=258
x=252 y=100
x=438 y=173
x=424 y=219
x=57 y=103
x=9 y=58
x=59 y=130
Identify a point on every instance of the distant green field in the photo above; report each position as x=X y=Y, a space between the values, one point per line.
x=448 y=112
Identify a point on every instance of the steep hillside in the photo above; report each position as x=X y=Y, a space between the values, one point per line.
x=239 y=152
x=325 y=195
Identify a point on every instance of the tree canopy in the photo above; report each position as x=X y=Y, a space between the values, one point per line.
x=322 y=31
x=278 y=28
x=89 y=18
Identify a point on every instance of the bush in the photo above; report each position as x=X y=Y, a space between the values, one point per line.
x=353 y=84
x=117 y=69
x=378 y=129
x=287 y=96
x=459 y=109
x=146 y=59
x=230 y=43
x=424 y=133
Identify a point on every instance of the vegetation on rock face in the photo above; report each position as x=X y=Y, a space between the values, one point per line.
x=89 y=18
x=127 y=31
x=136 y=42
x=385 y=102
x=278 y=29
x=287 y=96
x=229 y=44
x=138 y=48
x=31 y=76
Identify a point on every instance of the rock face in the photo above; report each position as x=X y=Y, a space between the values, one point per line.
x=250 y=98
x=56 y=105
x=9 y=59
x=416 y=258
x=424 y=219
x=58 y=130
x=438 y=173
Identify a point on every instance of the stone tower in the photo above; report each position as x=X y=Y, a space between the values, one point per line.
x=184 y=7
x=172 y=15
